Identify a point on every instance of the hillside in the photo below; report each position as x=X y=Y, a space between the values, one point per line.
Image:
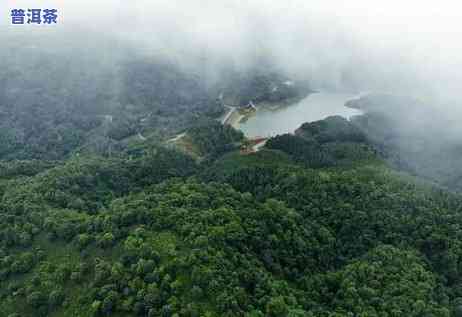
x=414 y=136
x=276 y=233
x=99 y=103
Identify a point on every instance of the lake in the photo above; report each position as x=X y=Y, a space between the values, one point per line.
x=318 y=106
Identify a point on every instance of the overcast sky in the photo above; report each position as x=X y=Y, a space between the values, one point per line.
x=409 y=37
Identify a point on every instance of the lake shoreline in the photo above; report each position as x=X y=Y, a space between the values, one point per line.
x=271 y=119
x=242 y=117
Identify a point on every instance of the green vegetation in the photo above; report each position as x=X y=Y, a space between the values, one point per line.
x=413 y=136
x=153 y=233
x=99 y=216
x=91 y=103
x=95 y=104
x=330 y=142
x=261 y=84
x=214 y=139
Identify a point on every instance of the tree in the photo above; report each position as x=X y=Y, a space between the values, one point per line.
x=36 y=299
x=55 y=298
x=277 y=307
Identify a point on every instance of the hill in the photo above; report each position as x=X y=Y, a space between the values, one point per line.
x=153 y=232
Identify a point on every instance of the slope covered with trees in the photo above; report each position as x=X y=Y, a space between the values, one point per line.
x=80 y=97
x=333 y=141
x=155 y=233
x=99 y=217
x=414 y=136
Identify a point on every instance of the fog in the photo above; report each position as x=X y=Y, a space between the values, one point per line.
x=104 y=56
x=409 y=47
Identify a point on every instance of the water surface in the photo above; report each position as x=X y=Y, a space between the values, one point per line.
x=318 y=106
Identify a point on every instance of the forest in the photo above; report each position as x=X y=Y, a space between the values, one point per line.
x=282 y=232
x=399 y=128
x=102 y=215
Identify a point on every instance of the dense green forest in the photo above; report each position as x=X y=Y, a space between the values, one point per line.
x=102 y=214
x=330 y=142
x=282 y=232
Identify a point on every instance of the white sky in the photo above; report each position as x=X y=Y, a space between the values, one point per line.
x=432 y=24
x=426 y=32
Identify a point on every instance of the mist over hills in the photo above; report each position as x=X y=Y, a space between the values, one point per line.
x=122 y=193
